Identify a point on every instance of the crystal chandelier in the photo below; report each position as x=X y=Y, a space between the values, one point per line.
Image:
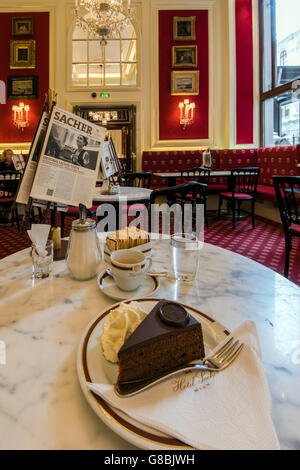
x=104 y=18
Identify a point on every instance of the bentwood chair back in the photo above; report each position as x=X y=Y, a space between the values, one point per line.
x=242 y=187
x=193 y=194
x=138 y=180
x=199 y=174
x=9 y=182
x=287 y=190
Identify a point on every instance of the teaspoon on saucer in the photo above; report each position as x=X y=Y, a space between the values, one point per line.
x=161 y=274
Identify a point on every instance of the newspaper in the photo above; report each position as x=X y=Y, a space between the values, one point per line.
x=19 y=163
x=110 y=164
x=33 y=158
x=70 y=160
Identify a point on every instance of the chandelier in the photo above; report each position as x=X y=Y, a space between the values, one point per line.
x=103 y=116
x=104 y=18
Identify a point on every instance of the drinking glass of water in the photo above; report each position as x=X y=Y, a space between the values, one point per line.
x=185 y=252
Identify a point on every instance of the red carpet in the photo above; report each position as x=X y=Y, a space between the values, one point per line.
x=265 y=244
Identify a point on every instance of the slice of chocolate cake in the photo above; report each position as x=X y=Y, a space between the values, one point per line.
x=168 y=337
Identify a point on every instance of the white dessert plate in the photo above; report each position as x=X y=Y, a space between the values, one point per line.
x=93 y=367
x=109 y=287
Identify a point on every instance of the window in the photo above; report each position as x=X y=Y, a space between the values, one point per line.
x=280 y=69
x=112 y=65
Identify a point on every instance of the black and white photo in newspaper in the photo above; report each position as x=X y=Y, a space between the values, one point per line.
x=110 y=164
x=70 y=160
x=19 y=163
x=33 y=158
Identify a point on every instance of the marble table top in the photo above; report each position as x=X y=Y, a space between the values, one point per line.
x=126 y=193
x=41 y=324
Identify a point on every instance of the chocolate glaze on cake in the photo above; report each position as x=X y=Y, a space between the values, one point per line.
x=169 y=336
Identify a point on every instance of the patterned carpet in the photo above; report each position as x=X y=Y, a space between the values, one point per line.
x=265 y=244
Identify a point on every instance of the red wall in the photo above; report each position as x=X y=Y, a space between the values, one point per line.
x=169 y=113
x=8 y=132
x=244 y=72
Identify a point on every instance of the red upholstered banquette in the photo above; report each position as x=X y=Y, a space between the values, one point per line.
x=272 y=161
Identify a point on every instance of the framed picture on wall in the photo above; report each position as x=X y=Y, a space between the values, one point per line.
x=22 y=54
x=184 y=28
x=185 y=83
x=184 y=56
x=25 y=88
x=22 y=26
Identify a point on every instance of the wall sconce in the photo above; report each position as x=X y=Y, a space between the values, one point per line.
x=186 y=113
x=21 y=115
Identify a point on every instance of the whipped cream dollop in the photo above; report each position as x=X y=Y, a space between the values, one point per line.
x=120 y=324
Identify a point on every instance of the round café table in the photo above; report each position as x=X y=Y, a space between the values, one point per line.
x=42 y=322
x=128 y=196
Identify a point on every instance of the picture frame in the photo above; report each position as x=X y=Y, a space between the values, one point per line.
x=22 y=54
x=184 y=28
x=23 y=26
x=185 y=82
x=25 y=88
x=184 y=56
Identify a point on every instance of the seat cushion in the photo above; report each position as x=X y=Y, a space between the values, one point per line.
x=237 y=195
x=6 y=200
x=295 y=228
x=217 y=188
x=74 y=211
x=266 y=192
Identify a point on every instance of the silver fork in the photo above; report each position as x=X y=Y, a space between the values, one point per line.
x=217 y=362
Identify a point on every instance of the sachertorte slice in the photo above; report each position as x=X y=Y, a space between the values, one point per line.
x=168 y=337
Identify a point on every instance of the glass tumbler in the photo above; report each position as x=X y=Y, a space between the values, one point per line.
x=185 y=253
x=42 y=265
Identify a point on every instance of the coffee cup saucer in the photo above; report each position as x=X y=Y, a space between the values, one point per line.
x=109 y=287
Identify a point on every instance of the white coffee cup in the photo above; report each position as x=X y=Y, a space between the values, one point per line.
x=129 y=268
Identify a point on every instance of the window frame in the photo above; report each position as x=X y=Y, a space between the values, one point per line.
x=275 y=90
x=90 y=86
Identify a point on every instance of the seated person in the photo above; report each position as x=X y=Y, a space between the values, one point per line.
x=6 y=161
x=80 y=156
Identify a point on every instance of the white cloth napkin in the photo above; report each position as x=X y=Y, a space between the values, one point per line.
x=39 y=234
x=229 y=410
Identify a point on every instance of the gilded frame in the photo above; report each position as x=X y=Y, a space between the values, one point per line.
x=185 y=83
x=25 y=88
x=22 y=54
x=184 y=28
x=184 y=56
x=23 y=26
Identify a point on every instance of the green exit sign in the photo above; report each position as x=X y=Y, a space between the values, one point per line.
x=104 y=95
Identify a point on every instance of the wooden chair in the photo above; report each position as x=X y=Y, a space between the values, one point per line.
x=138 y=180
x=243 y=183
x=9 y=182
x=287 y=190
x=192 y=193
x=200 y=175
